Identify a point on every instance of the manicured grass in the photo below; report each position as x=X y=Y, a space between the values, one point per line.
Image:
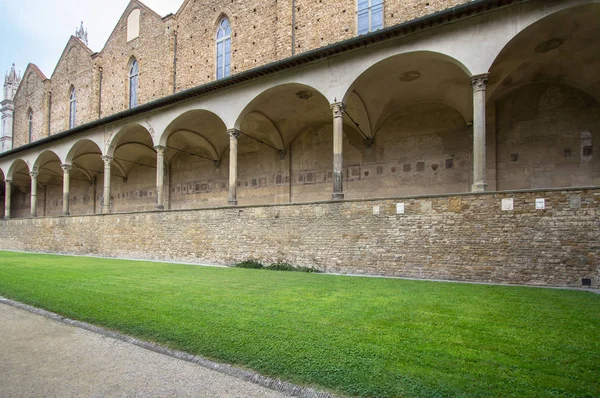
x=356 y=336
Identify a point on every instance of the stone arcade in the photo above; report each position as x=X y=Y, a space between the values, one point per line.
x=459 y=141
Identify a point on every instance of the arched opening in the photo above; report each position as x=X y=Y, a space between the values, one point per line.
x=546 y=89
x=134 y=164
x=285 y=150
x=412 y=113
x=50 y=184
x=85 y=158
x=197 y=161
x=20 y=198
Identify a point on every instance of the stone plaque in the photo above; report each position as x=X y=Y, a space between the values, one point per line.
x=399 y=208
x=376 y=210
x=540 y=204
x=575 y=202
x=426 y=206
x=507 y=204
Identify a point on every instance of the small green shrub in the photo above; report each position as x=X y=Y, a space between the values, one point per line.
x=289 y=267
x=250 y=264
x=281 y=267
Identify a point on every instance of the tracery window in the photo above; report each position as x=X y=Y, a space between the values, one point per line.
x=30 y=124
x=223 y=49
x=133 y=83
x=370 y=16
x=72 y=108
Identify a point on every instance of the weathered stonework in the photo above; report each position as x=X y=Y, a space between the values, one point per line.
x=75 y=69
x=464 y=238
x=32 y=94
x=153 y=50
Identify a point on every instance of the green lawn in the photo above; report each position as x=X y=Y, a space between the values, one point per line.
x=356 y=336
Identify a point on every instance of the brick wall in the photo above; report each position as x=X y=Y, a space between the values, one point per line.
x=461 y=237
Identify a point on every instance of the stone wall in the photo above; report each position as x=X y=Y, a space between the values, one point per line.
x=153 y=50
x=74 y=69
x=548 y=136
x=461 y=237
x=30 y=95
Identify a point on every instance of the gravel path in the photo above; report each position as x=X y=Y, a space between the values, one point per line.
x=40 y=357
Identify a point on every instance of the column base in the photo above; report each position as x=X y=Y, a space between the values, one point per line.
x=7 y=217
x=160 y=207
x=232 y=202
x=337 y=196
x=66 y=214
x=479 y=187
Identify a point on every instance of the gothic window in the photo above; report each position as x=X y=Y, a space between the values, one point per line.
x=72 y=108
x=30 y=124
x=370 y=16
x=223 y=49
x=133 y=83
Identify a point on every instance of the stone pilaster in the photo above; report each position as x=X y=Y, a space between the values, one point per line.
x=106 y=197
x=233 y=151
x=338 y=109
x=479 y=83
x=160 y=176
x=66 y=187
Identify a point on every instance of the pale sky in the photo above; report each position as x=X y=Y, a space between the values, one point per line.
x=37 y=31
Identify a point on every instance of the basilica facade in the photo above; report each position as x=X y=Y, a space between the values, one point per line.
x=262 y=108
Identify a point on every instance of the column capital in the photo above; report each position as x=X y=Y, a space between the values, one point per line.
x=33 y=174
x=7 y=181
x=107 y=160
x=234 y=133
x=479 y=82
x=160 y=149
x=338 y=109
x=66 y=167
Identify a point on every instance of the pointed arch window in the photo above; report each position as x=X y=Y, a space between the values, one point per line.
x=30 y=124
x=133 y=83
x=72 y=108
x=223 y=49
x=370 y=16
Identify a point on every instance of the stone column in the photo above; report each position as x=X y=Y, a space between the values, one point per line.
x=338 y=146
x=160 y=177
x=66 y=187
x=106 y=198
x=479 y=83
x=7 y=191
x=33 y=211
x=233 y=146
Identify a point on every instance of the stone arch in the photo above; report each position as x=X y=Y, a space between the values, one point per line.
x=115 y=138
x=560 y=38
x=409 y=115
x=15 y=166
x=42 y=159
x=196 y=144
x=410 y=63
x=378 y=59
x=133 y=159
x=297 y=93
